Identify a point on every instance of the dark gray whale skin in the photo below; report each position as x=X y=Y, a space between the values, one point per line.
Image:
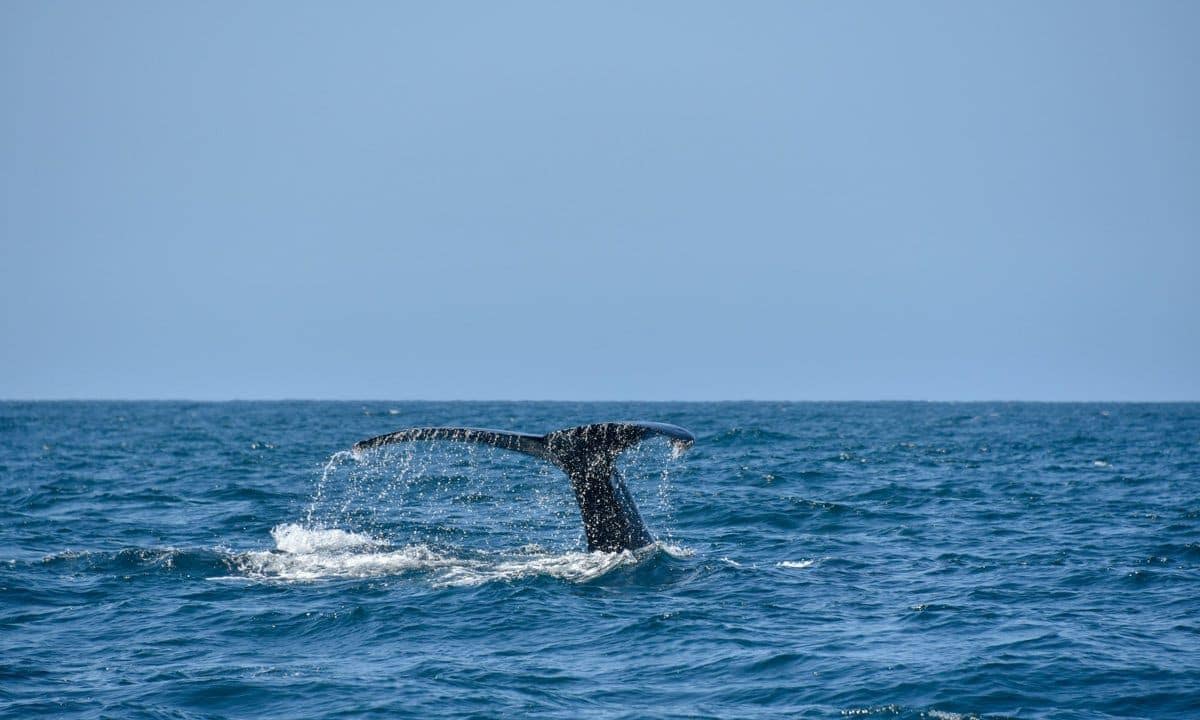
x=587 y=454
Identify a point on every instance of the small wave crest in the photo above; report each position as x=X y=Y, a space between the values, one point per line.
x=139 y=561
x=796 y=564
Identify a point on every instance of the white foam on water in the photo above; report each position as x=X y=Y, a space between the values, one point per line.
x=305 y=554
x=865 y=711
x=569 y=566
x=300 y=540
x=796 y=564
x=945 y=715
x=288 y=567
x=675 y=551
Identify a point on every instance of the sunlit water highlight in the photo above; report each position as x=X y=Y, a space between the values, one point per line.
x=817 y=560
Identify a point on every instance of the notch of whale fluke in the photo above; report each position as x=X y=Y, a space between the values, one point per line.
x=587 y=454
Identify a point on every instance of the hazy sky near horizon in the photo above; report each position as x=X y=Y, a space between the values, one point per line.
x=672 y=200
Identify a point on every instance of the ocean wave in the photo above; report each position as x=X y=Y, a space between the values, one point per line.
x=131 y=561
x=308 y=554
x=796 y=564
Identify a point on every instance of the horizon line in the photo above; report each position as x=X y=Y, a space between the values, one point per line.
x=564 y=401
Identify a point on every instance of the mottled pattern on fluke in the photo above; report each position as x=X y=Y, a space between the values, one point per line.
x=587 y=454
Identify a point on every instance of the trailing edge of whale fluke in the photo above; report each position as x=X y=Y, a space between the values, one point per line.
x=587 y=454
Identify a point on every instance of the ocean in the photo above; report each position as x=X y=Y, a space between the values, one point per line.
x=823 y=560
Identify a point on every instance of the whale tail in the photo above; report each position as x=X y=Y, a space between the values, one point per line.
x=587 y=454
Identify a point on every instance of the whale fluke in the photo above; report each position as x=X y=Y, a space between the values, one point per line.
x=587 y=454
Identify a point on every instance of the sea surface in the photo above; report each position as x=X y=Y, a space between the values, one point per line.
x=824 y=560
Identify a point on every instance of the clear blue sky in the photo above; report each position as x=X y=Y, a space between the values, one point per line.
x=600 y=200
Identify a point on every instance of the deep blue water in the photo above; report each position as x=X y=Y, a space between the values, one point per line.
x=183 y=560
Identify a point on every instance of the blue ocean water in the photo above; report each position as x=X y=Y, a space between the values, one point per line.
x=911 y=560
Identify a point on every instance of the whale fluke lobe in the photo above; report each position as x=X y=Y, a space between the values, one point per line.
x=519 y=442
x=587 y=454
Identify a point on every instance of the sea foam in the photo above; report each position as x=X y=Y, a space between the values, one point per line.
x=305 y=554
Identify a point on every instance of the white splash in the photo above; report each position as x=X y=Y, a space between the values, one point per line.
x=675 y=551
x=570 y=566
x=267 y=565
x=331 y=465
x=796 y=564
x=305 y=554
x=300 y=540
